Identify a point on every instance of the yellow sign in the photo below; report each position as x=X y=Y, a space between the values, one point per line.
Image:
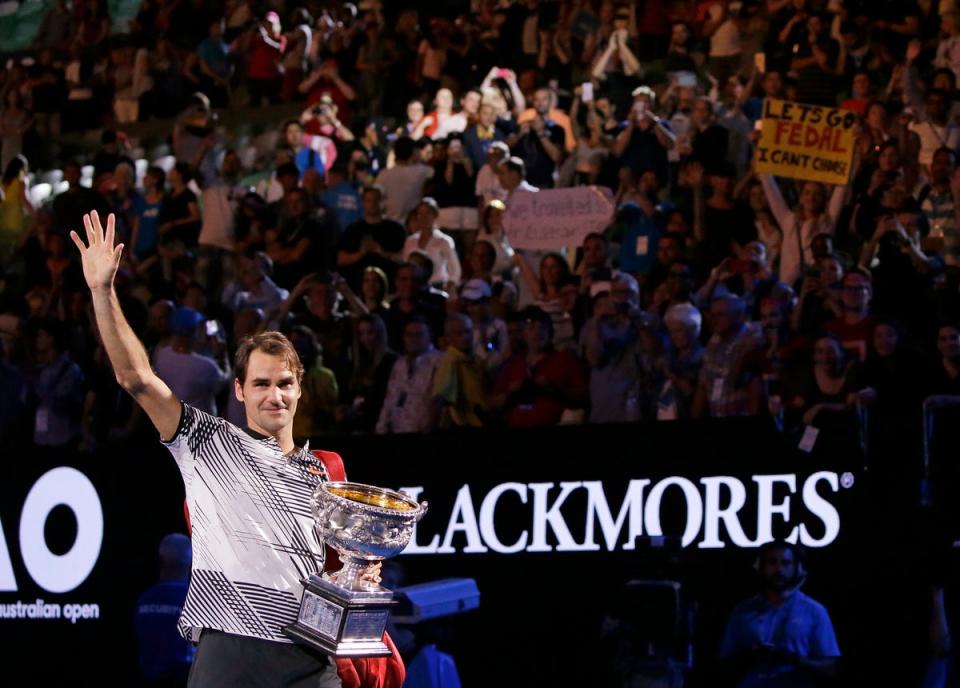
x=808 y=142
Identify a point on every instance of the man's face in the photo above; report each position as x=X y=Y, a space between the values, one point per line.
x=594 y=255
x=509 y=179
x=371 y=202
x=856 y=292
x=444 y=100
x=415 y=111
x=535 y=335
x=724 y=317
x=831 y=270
x=941 y=168
x=366 y=336
x=861 y=85
x=778 y=570
x=406 y=283
x=701 y=112
x=321 y=299
x=294 y=136
x=471 y=102
x=269 y=393
x=487 y=116
x=679 y=35
x=296 y=204
x=679 y=334
x=668 y=252
x=772 y=316
x=772 y=84
x=937 y=106
x=424 y=217
x=416 y=339
x=230 y=165
x=460 y=335
x=948 y=343
x=541 y=101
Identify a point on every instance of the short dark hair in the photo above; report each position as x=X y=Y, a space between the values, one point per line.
x=514 y=164
x=403 y=149
x=271 y=343
x=288 y=169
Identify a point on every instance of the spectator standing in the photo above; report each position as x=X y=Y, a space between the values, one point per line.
x=164 y=656
x=458 y=386
x=428 y=238
x=373 y=363
x=403 y=183
x=722 y=387
x=58 y=389
x=194 y=378
x=407 y=407
x=781 y=636
x=538 y=384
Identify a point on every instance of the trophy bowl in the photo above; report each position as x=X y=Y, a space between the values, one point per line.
x=363 y=522
x=341 y=613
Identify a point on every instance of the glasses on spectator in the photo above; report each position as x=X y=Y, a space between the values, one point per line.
x=856 y=287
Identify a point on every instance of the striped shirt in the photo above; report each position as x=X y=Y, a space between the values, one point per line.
x=253 y=535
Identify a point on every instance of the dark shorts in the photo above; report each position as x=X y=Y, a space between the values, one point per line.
x=241 y=662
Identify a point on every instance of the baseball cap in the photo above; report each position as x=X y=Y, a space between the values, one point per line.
x=475 y=290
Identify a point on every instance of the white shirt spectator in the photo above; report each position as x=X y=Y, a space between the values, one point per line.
x=454 y=124
x=194 y=379
x=948 y=55
x=933 y=136
x=409 y=394
x=403 y=187
x=443 y=253
x=266 y=295
x=725 y=41
x=488 y=185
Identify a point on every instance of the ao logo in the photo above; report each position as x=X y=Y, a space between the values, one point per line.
x=56 y=573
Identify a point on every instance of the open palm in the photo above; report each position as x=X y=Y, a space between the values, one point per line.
x=100 y=257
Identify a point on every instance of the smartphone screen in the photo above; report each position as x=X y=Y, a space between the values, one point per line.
x=587 y=95
x=211 y=328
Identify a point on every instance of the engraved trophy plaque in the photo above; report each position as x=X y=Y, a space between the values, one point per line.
x=341 y=614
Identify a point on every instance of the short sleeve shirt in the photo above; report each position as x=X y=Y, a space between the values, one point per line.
x=252 y=528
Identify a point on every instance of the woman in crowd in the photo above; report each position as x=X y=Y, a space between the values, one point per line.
x=372 y=362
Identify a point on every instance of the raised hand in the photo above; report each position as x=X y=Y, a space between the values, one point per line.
x=100 y=257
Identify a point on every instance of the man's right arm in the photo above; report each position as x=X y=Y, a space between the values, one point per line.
x=131 y=365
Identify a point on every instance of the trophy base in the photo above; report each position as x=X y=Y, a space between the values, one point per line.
x=340 y=622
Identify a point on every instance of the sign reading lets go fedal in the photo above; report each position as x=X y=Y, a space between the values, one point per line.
x=554 y=218
x=807 y=142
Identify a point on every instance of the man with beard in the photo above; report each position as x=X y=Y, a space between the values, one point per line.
x=780 y=637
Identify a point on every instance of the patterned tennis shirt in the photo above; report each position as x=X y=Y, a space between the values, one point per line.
x=252 y=528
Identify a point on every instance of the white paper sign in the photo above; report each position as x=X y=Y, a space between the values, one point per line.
x=554 y=218
x=809 y=439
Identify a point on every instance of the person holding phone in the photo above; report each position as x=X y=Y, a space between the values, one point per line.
x=646 y=138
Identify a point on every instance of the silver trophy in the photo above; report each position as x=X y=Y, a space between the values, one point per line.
x=340 y=614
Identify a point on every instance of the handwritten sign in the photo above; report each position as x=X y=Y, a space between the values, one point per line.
x=808 y=142
x=554 y=218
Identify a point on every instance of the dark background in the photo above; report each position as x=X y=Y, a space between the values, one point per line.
x=540 y=615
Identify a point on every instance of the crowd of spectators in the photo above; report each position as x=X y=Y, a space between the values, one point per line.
x=373 y=234
x=375 y=238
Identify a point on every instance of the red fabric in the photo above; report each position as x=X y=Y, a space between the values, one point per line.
x=373 y=672
x=362 y=672
x=557 y=369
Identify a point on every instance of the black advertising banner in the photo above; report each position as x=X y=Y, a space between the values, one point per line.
x=551 y=524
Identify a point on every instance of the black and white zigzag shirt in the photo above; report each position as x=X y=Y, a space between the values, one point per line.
x=253 y=537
